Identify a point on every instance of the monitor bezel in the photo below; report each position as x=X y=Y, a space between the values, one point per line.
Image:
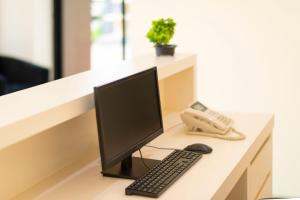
x=105 y=162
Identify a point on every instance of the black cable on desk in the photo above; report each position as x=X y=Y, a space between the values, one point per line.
x=164 y=148
x=143 y=160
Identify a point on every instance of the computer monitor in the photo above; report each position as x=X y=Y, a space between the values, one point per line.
x=128 y=114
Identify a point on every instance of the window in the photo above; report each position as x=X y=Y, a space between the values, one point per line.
x=108 y=31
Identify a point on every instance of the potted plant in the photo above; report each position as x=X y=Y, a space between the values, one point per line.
x=160 y=34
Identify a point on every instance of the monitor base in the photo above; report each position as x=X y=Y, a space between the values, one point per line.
x=138 y=169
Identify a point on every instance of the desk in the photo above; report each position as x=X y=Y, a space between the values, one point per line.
x=230 y=172
x=52 y=135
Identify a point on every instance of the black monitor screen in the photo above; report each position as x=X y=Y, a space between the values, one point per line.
x=128 y=115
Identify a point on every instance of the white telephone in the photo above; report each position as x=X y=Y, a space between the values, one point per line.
x=202 y=121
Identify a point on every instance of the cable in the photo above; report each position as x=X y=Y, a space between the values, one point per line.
x=240 y=136
x=164 y=148
x=143 y=160
x=171 y=149
x=173 y=126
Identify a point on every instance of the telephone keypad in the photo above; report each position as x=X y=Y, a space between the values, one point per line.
x=222 y=118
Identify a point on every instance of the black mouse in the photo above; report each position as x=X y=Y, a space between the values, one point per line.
x=198 y=147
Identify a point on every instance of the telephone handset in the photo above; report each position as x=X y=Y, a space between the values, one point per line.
x=202 y=121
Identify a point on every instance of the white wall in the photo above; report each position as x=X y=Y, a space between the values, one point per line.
x=248 y=55
x=26 y=30
x=43 y=33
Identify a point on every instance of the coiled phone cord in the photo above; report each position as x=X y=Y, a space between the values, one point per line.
x=240 y=135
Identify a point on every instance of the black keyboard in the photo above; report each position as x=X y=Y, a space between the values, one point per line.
x=164 y=174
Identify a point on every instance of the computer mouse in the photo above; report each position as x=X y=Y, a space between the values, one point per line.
x=198 y=147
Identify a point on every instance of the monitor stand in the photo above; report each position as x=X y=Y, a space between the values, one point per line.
x=130 y=168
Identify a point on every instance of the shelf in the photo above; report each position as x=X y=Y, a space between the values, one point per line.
x=31 y=111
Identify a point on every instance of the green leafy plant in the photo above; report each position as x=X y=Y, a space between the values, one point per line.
x=162 y=31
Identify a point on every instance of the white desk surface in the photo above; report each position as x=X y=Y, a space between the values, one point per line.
x=30 y=111
x=212 y=177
